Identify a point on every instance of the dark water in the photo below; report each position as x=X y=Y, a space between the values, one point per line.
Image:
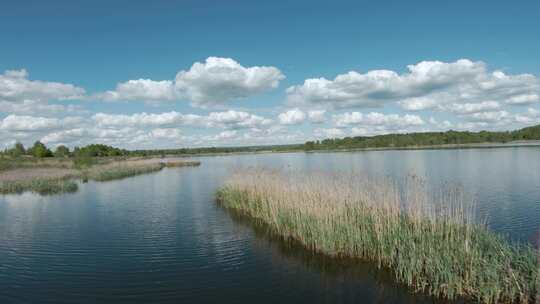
x=160 y=238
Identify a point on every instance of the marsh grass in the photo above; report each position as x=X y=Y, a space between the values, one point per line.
x=181 y=163
x=10 y=163
x=428 y=239
x=120 y=170
x=41 y=186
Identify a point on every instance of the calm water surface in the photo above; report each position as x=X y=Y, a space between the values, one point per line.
x=160 y=238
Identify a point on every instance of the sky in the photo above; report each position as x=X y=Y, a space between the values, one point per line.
x=169 y=74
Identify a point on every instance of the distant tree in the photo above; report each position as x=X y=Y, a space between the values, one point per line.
x=17 y=150
x=424 y=139
x=61 y=151
x=40 y=150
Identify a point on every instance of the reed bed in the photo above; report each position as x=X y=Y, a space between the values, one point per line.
x=39 y=185
x=121 y=170
x=181 y=163
x=429 y=240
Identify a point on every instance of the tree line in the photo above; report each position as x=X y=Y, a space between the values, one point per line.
x=424 y=139
x=40 y=150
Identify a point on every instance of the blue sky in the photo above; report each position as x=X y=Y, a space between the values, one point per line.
x=267 y=70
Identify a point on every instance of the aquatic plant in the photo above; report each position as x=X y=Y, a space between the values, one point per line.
x=121 y=170
x=181 y=163
x=429 y=240
x=39 y=185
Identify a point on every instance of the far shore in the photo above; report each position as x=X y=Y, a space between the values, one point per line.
x=486 y=145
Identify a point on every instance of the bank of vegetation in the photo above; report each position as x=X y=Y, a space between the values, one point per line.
x=42 y=186
x=431 y=243
x=45 y=174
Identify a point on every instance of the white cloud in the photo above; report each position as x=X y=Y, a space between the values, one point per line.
x=146 y=119
x=392 y=121
x=214 y=82
x=498 y=116
x=141 y=90
x=524 y=99
x=166 y=133
x=31 y=107
x=219 y=80
x=16 y=87
x=19 y=123
x=236 y=120
x=468 y=108
x=292 y=117
x=64 y=136
x=328 y=133
x=317 y=116
x=227 y=120
x=532 y=116
x=426 y=85
x=227 y=134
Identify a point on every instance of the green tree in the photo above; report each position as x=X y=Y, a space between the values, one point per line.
x=17 y=150
x=61 y=151
x=40 y=150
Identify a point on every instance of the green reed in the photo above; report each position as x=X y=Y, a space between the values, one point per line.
x=39 y=185
x=431 y=242
x=119 y=171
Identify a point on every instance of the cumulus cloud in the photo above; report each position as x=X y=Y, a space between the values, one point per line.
x=141 y=89
x=19 y=123
x=426 y=85
x=236 y=120
x=16 y=87
x=328 y=132
x=469 y=108
x=497 y=116
x=146 y=119
x=166 y=133
x=221 y=79
x=292 y=117
x=31 y=107
x=64 y=136
x=214 y=82
x=392 y=121
x=228 y=119
x=532 y=116
x=317 y=116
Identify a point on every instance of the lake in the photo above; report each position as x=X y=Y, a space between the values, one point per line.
x=160 y=238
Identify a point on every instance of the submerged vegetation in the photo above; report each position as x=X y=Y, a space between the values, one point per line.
x=430 y=242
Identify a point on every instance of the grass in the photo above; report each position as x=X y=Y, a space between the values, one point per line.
x=182 y=163
x=10 y=163
x=121 y=170
x=41 y=186
x=49 y=176
x=430 y=242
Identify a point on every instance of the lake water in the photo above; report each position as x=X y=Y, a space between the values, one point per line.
x=160 y=238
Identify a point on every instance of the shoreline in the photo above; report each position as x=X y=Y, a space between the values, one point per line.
x=485 y=145
x=53 y=180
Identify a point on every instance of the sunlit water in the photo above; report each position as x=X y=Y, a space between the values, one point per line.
x=160 y=238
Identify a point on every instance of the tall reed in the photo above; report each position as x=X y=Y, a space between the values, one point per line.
x=430 y=241
x=121 y=170
x=38 y=185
